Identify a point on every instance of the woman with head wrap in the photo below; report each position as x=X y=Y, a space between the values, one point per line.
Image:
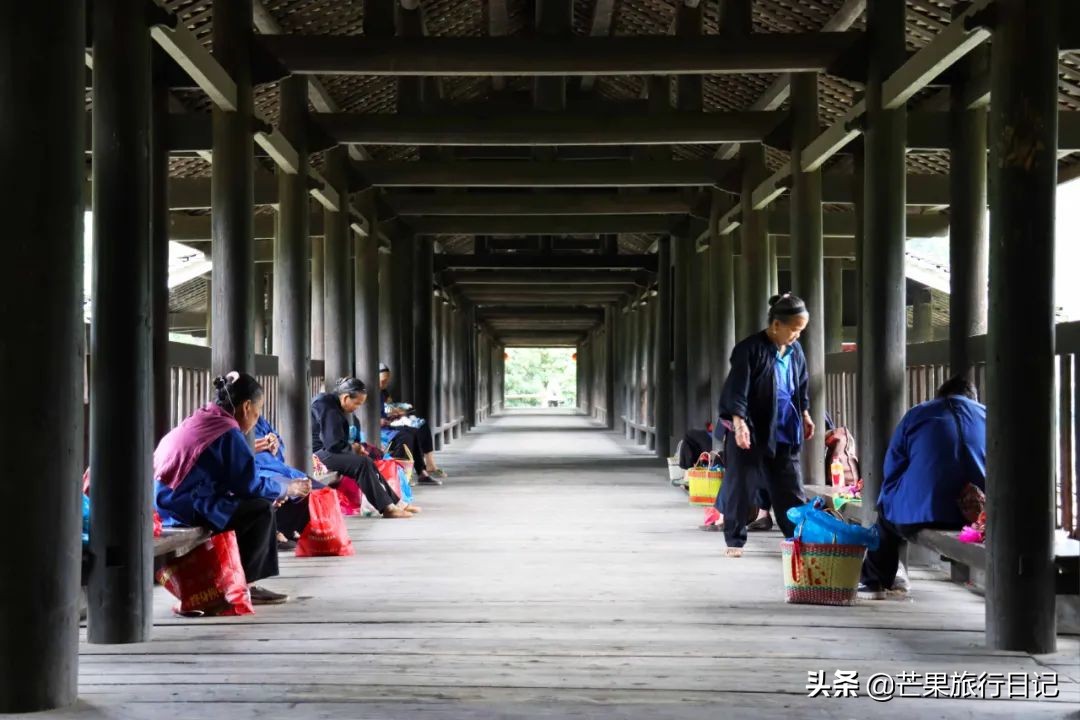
x=764 y=419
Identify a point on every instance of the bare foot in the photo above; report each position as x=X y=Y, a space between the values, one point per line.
x=412 y=509
x=733 y=552
x=393 y=512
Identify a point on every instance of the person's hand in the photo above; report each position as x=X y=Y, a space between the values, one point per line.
x=742 y=433
x=274 y=443
x=263 y=444
x=298 y=488
x=358 y=448
x=808 y=426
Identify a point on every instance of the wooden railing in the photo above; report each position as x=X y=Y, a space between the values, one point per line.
x=928 y=368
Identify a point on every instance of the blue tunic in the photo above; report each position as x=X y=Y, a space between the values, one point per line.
x=937 y=449
x=223 y=476
x=788 y=425
x=269 y=466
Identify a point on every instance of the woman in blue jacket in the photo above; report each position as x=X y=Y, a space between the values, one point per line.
x=764 y=419
x=937 y=449
x=205 y=475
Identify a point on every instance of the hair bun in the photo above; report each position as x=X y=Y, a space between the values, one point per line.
x=220 y=382
x=774 y=299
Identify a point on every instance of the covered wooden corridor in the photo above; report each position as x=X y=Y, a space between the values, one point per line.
x=428 y=183
x=558 y=576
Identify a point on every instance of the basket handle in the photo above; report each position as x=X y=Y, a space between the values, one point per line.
x=703 y=458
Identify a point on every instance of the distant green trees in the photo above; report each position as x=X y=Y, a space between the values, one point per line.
x=535 y=375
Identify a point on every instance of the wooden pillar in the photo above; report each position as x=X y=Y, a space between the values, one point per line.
x=337 y=298
x=755 y=243
x=858 y=193
x=472 y=369
x=721 y=335
x=423 y=387
x=774 y=268
x=43 y=99
x=389 y=329
x=969 y=242
x=456 y=403
x=633 y=403
x=661 y=382
x=261 y=279
x=882 y=310
x=120 y=588
x=681 y=247
x=808 y=263
x=1020 y=602
x=366 y=314
x=159 y=248
x=291 y=295
x=402 y=256
x=834 y=306
x=652 y=392
x=233 y=198
x=317 y=298
x=611 y=363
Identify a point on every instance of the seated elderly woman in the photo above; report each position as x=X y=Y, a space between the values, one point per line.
x=206 y=477
x=416 y=436
x=938 y=448
x=330 y=423
x=270 y=465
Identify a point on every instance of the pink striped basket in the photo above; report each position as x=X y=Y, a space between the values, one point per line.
x=819 y=574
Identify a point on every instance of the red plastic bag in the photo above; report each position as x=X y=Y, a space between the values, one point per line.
x=209 y=580
x=350 y=499
x=157 y=524
x=389 y=470
x=325 y=533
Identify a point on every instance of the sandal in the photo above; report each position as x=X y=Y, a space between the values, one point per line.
x=733 y=552
x=393 y=513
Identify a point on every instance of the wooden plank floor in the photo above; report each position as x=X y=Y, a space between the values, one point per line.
x=556 y=575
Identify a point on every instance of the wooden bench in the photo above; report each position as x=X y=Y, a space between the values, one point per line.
x=173 y=543
x=964 y=557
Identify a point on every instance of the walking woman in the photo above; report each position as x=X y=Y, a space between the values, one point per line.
x=764 y=419
x=330 y=413
x=205 y=473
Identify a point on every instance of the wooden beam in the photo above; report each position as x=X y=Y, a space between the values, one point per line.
x=835 y=138
x=190 y=54
x=194 y=193
x=414 y=204
x=195 y=229
x=539 y=55
x=510 y=174
x=599 y=279
x=929 y=130
x=961 y=36
x=544 y=262
x=539 y=129
x=541 y=225
x=844 y=224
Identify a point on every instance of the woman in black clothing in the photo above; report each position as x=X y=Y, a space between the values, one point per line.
x=330 y=414
x=419 y=440
x=765 y=418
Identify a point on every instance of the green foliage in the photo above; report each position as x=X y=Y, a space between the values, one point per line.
x=533 y=373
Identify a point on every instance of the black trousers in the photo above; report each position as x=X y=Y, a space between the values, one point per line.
x=411 y=438
x=879 y=566
x=694 y=444
x=747 y=471
x=256 y=535
x=363 y=471
x=293 y=517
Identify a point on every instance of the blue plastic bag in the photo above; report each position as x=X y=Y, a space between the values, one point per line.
x=85 y=520
x=814 y=525
x=406 y=489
